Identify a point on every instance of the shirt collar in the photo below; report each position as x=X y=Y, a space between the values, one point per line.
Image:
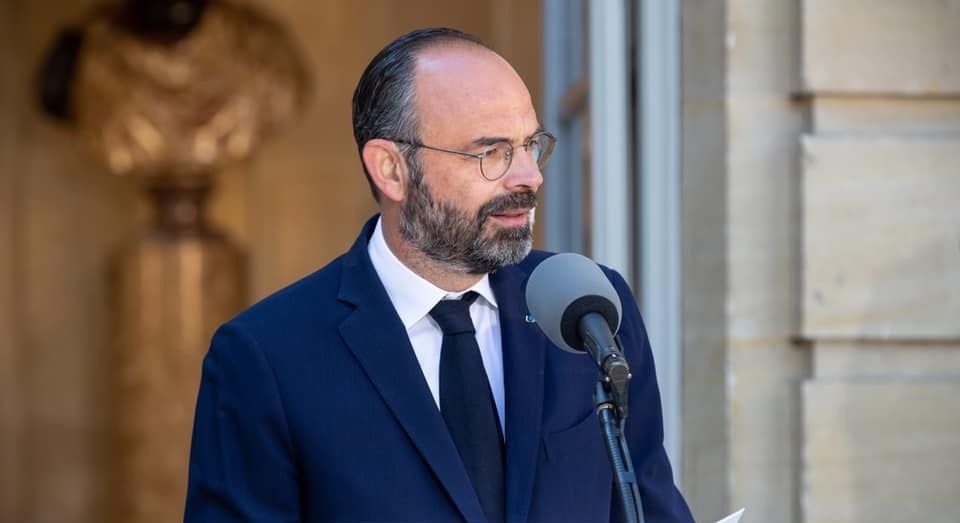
x=412 y=295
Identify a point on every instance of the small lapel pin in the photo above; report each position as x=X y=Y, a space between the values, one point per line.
x=529 y=318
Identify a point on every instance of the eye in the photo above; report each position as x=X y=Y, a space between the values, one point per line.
x=498 y=151
x=540 y=146
x=490 y=152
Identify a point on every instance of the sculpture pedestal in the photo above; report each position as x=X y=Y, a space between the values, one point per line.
x=174 y=285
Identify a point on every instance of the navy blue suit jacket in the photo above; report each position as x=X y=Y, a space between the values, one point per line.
x=312 y=407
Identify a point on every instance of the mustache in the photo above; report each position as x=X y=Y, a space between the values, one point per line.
x=517 y=200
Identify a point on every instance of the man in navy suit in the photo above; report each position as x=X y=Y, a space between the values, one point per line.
x=329 y=401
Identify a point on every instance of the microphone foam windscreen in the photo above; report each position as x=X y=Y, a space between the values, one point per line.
x=562 y=281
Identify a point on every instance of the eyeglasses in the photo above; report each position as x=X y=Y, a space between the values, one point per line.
x=495 y=159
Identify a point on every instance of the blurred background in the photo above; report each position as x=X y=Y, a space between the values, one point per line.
x=778 y=180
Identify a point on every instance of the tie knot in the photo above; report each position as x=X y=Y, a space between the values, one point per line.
x=453 y=316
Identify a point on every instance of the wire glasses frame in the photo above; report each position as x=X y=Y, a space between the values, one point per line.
x=495 y=159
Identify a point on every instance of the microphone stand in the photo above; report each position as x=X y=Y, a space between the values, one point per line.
x=610 y=401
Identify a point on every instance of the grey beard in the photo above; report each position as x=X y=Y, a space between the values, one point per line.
x=451 y=237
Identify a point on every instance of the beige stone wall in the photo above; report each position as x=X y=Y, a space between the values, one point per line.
x=880 y=170
x=66 y=217
x=765 y=368
x=881 y=235
x=859 y=47
x=10 y=405
x=704 y=256
x=880 y=433
x=843 y=256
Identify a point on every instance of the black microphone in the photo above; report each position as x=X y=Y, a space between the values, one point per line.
x=567 y=288
x=577 y=307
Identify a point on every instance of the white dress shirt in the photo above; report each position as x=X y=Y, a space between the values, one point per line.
x=413 y=297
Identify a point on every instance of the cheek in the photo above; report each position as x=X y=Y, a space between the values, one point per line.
x=467 y=198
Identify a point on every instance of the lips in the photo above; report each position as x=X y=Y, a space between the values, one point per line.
x=512 y=218
x=513 y=210
x=512 y=213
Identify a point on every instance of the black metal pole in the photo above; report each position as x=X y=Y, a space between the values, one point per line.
x=624 y=478
x=611 y=399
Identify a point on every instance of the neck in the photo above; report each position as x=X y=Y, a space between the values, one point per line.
x=437 y=273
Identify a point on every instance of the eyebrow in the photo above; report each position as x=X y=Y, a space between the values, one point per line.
x=491 y=140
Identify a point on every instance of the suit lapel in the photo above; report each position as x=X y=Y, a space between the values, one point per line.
x=376 y=336
x=523 y=370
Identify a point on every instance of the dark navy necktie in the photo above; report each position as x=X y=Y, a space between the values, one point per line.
x=467 y=405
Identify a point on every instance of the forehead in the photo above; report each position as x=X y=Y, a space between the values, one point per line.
x=464 y=91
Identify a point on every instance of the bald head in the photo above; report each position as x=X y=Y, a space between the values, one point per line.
x=383 y=102
x=464 y=92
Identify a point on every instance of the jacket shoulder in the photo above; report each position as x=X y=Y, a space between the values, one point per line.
x=536 y=257
x=302 y=300
x=533 y=259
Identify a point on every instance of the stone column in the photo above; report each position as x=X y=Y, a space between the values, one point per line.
x=173 y=285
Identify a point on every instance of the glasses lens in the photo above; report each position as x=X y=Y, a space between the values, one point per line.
x=541 y=147
x=496 y=160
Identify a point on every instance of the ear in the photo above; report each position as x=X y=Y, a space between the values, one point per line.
x=387 y=168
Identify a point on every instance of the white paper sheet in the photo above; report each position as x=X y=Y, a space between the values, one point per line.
x=732 y=518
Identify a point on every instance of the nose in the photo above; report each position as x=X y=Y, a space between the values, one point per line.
x=524 y=173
